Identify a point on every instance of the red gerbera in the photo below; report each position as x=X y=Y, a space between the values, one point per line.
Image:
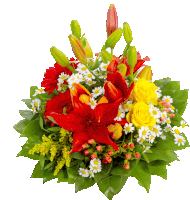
x=51 y=76
x=58 y=103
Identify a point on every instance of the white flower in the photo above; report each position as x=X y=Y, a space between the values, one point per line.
x=163 y=117
x=120 y=114
x=89 y=82
x=167 y=128
x=176 y=132
x=155 y=112
x=144 y=132
x=35 y=105
x=157 y=130
x=63 y=77
x=97 y=91
x=158 y=92
x=128 y=128
x=179 y=140
x=168 y=99
x=151 y=137
x=95 y=165
x=92 y=103
x=74 y=78
x=91 y=173
x=38 y=91
x=163 y=137
x=182 y=123
x=103 y=66
x=88 y=75
x=168 y=121
x=140 y=140
x=81 y=68
x=83 y=172
x=126 y=106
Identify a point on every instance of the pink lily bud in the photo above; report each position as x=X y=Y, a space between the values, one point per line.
x=172 y=115
x=112 y=20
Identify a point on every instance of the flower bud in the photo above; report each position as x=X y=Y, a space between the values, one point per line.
x=93 y=156
x=132 y=56
x=172 y=115
x=75 y=28
x=78 y=49
x=125 y=146
x=116 y=130
x=112 y=20
x=145 y=73
x=127 y=33
x=106 y=56
x=91 y=141
x=122 y=68
x=137 y=155
x=86 y=152
x=114 y=38
x=99 y=148
x=61 y=58
x=87 y=48
x=110 y=152
x=108 y=159
x=126 y=166
x=128 y=155
x=131 y=145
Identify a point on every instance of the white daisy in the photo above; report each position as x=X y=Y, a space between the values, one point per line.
x=168 y=122
x=140 y=140
x=97 y=91
x=38 y=91
x=126 y=105
x=120 y=114
x=144 y=132
x=128 y=128
x=83 y=172
x=163 y=116
x=74 y=78
x=91 y=173
x=155 y=112
x=151 y=137
x=88 y=75
x=168 y=99
x=104 y=66
x=89 y=82
x=35 y=105
x=182 y=123
x=63 y=77
x=176 y=132
x=158 y=92
x=157 y=130
x=167 y=128
x=95 y=165
x=92 y=103
x=179 y=140
x=81 y=68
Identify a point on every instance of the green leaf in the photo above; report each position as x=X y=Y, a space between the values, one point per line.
x=78 y=155
x=162 y=154
x=21 y=125
x=83 y=183
x=112 y=185
x=142 y=174
x=37 y=172
x=32 y=91
x=73 y=172
x=118 y=169
x=47 y=176
x=26 y=114
x=42 y=160
x=62 y=176
x=105 y=171
x=49 y=165
x=33 y=131
x=27 y=102
x=41 y=123
x=54 y=129
x=25 y=148
x=158 y=168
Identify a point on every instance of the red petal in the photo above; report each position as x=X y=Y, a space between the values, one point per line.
x=138 y=65
x=101 y=135
x=70 y=122
x=127 y=94
x=112 y=93
x=79 y=138
x=107 y=112
x=122 y=122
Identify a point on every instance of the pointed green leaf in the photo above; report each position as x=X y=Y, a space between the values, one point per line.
x=32 y=91
x=27 y=102
x=105 y=171
x=26 y=114
x=37 y=172
x=83 y=183
x=21 y=125
x=62 y=176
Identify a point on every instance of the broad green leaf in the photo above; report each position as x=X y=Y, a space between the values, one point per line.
x=62 y=176
x=28 y=103
x=38 y=171
x=142 y=174
x=26 y=114
x=83 y=183
x=32 y=91
x=120 y=170
x=158 y=168
x=73 y=173
x=169 y=143
x=47 y=176
x=21 y=125
x=54 y=129
x=162 y=154
x=51 y=164
x=176 y=120
x=41 y=123
x=33 y=131
x=25 y=148
x=78 y=155
x=105 y=171
x=112 y=185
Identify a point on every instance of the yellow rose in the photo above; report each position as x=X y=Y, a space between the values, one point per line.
x=145 y=91
x=140 y=116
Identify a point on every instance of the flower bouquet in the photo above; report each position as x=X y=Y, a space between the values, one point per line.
x=102 y=120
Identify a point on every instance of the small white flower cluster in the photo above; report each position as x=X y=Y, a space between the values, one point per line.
x=62 y=78
x=38 y=91
x=35 y=105
x=95 y=167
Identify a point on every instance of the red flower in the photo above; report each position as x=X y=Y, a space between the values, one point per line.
x=51 y=76
x=57 y=103
x=86 y=123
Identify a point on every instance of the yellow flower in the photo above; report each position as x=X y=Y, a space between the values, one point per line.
x=140 y=116
x=145 y=91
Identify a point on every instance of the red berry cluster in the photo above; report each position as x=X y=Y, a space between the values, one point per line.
x=130 y=155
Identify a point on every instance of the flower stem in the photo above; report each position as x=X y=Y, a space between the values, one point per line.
x=125 y=52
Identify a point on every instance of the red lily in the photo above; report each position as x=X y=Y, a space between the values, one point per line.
x=86 y=123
